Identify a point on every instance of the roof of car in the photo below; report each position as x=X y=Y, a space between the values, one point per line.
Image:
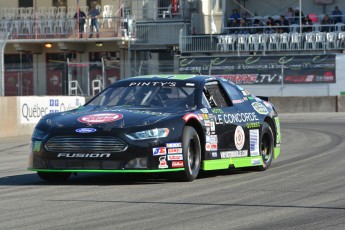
x=167 y=77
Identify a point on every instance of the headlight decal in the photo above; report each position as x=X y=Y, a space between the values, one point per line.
x=149 y=134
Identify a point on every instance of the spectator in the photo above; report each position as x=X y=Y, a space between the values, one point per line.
x=243 y=27
x=337 y=15
x=297 y=16
x=94 y=13
x=234 y=15
x=307 y=24
x=234 y=24
x=258 y=23
x=290 y=15
x=325 y=23
x=80 y=16
x=284 y=24
x=269 y=24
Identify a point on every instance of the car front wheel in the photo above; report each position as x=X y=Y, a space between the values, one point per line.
x=191 y=154
x=266 y=146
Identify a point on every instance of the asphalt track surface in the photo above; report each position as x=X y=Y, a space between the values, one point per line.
x=304 y=189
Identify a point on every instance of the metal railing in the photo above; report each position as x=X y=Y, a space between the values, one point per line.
x=244 y=43
x=58 y=28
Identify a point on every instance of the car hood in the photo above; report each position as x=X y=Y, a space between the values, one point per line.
x=109 y=118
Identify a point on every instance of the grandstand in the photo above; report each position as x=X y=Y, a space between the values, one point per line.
x=152 y=36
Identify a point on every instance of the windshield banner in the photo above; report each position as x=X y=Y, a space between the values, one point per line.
x=299 y=69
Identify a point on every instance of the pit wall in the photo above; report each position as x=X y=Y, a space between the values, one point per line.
x=19 y=115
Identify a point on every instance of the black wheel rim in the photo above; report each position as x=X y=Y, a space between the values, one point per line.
x=266 y=148
x=191 y=155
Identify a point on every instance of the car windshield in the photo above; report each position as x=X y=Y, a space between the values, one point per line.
x=146 y=96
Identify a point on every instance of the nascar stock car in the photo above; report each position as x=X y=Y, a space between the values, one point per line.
x=176 y=124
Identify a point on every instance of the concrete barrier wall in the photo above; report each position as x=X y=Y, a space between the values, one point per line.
x=14 y=120
x=305 y=104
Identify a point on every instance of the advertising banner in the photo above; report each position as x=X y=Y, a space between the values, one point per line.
x=32 y=109
x=299 y=69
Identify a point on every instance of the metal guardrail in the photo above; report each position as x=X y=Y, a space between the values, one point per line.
x=240 y=43
x=58 y=28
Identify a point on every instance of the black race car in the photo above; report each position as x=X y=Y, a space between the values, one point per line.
x=177 y=124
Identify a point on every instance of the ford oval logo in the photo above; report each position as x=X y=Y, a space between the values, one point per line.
x=86 y=130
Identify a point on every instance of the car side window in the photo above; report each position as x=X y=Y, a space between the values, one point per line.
x=216 y=95
x=232 y=92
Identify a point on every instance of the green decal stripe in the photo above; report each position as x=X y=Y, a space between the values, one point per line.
x=225 y=163
x=276 y=152
x=216 y=164
x=107 y=170
x=245 y=161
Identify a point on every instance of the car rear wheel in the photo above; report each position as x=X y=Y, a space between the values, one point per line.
x=191 y=155
x=51 y=176
x=266 y=146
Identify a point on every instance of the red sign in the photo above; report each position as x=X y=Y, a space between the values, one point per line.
x=100 y=118
x=177 y=164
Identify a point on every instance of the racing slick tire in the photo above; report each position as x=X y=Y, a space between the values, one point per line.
x=266 y=147
x=191 y=150
x=57 y=177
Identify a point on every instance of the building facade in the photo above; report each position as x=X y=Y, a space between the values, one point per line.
x=47 y=48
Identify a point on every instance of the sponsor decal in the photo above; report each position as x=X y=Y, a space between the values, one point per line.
x=204 y=110
x=36 y=146
x=240 y=153
x=190 y=84
x=86 y=130
x=214 y=147
x=205 y=116
x=260 y=108
x=208 y=130
x=233 y=154
x=225 y=154
x=253 y=125
x=200 y=116
x=162 y=163
x=237 y=101
x=100 y=118
x=254 y=142
x=214 y=154
x=235 y=118
x=207 y=123
x=175 y=157
x=213 y=126
x=213 y=139
x=177 y=164
x=159 y=151
x=208 y=147
x=256 y=161
x=153 y=83
x=239 y=137
x=83 y=155
x=174 y=145
x=217 y=111
x=174 y=150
